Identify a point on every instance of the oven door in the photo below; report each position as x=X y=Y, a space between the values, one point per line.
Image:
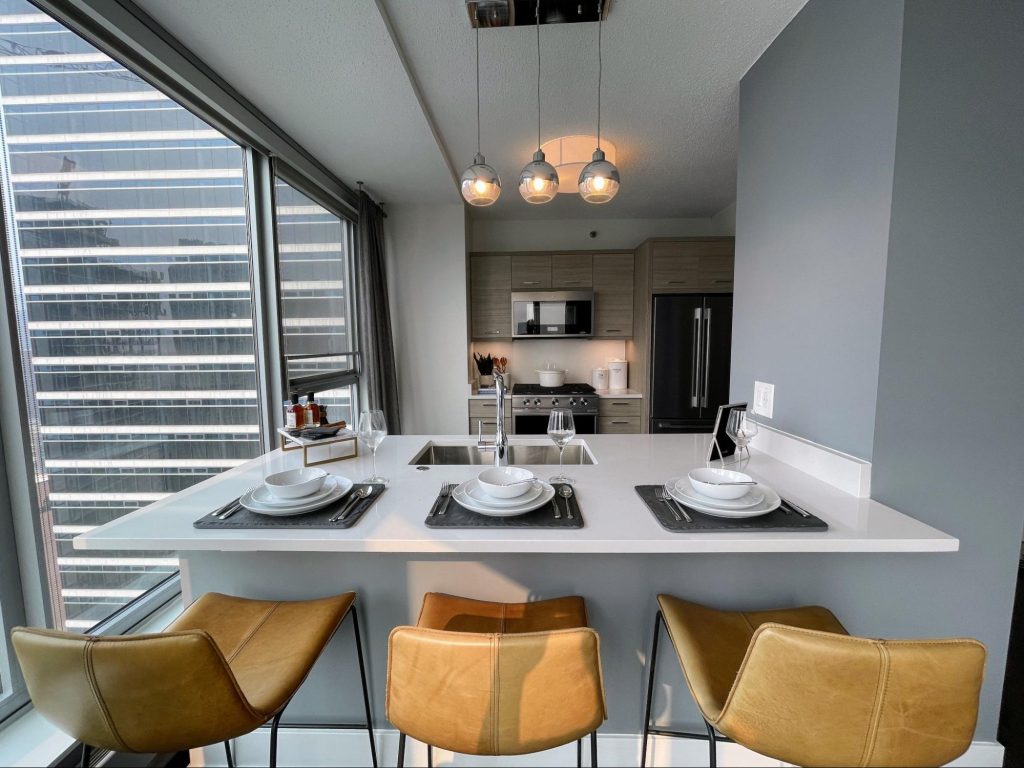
x=553 y=313
x=537 y=423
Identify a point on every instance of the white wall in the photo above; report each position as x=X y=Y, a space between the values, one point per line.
x=574 y=234
x=426 y=253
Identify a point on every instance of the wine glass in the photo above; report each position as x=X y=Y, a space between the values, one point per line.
x=373 y=428
x=561 y=430
x=741 y=427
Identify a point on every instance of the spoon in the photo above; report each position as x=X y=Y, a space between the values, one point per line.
x=358 y=495
x=566 y=493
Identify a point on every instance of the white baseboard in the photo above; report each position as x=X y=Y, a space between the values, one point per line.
x=325 y=747
x=845 y=472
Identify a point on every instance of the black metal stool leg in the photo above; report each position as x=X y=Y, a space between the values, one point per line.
x=366 y=692
x=86 y=753
x=273 y=738
x=579 y=753
x=430 y=756
x=712 y=750
x=650 y=691
x=227 y=751
x=593 y=749
x=401 y=749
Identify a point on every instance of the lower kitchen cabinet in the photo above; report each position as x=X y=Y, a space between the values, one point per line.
x=618 y=425
x=619 y=416
x=485 y=412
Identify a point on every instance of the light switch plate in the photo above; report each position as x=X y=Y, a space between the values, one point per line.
x=764 y=399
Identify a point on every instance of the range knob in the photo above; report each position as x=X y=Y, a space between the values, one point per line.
x=554 y=401
x=536 y=401
x=572 y=402
x=583 y=402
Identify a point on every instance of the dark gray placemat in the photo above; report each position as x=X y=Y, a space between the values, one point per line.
x=457 y=516
x=785 y=518
x=319 y=518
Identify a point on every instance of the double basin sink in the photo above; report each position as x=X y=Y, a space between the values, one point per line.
x=434 y=454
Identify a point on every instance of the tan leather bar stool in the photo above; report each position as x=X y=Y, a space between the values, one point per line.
x=223 y=668
x=484 y=678
x=793 y=685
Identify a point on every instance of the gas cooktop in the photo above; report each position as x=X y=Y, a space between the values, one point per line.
x=565 y=389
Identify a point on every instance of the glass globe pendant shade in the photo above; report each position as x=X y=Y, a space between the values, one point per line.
x=599 y=180
x=538 y=183
x=480 y=183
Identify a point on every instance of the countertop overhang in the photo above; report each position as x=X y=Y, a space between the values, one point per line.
x=616 y=520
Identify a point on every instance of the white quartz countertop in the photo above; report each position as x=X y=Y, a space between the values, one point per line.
x=616 y=520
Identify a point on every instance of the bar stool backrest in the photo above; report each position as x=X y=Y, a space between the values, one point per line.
x=495 y=694
x=146 y=693
x=820 y=698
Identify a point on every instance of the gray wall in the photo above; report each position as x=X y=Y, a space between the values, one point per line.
x=817 y=136
x=949 y=424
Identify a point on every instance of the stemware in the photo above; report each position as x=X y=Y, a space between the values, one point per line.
x=373 y=428
x=561 y=430
x=741 y=428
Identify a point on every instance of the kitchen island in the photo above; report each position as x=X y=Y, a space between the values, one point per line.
x=619 y=561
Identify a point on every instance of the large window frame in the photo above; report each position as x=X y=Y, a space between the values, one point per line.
x=128 y=35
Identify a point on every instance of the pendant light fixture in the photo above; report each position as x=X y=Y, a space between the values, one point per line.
x=599 y=179
x=538 y=183
x=480 y=183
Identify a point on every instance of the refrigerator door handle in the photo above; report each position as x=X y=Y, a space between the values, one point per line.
x=695 y=360
x=707 y=356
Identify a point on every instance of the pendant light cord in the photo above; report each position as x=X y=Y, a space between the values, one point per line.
x=538 y=73
x=599 y=14
x=478 y=90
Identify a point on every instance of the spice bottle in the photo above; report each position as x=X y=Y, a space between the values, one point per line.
x=295 y=418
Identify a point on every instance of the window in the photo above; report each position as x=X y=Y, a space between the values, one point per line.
x=314 y=260
x=130 y=273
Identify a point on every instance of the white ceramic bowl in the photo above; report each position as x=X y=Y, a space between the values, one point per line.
x=550 y=377
x=498 y=482
x=706 y=480
x=295 y=483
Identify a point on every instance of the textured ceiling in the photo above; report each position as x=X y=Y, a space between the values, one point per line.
x=328 y=72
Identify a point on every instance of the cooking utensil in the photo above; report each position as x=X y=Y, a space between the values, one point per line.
x=565 y=492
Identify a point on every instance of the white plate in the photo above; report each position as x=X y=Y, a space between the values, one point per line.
x=476 y=493
x=464 y=499
x=262 y=494
x=753 y=497
x=265 y=509
x=770 y=502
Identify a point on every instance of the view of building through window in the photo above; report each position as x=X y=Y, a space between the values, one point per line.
x=131 y=272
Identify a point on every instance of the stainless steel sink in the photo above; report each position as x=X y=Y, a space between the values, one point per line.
x=433 y=454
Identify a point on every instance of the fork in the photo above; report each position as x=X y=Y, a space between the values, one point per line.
x=662 y=495
x=446 y=492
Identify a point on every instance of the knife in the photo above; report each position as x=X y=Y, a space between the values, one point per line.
x=231 y=511
x=799 y=510
x=682 y=511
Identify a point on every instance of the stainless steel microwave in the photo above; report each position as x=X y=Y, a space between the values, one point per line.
x=552 y=314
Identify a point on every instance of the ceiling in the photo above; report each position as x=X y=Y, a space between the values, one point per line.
x=329 y=73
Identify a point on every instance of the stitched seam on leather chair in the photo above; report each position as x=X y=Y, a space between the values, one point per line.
x=881 y=687
x=495 y=693
x=750 y=624
x=249 y=635
x=90 y=675
x=501 y=624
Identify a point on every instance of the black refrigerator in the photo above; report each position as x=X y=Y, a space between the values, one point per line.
x=690 y=353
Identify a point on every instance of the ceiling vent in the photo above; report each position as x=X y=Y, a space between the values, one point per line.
x=516 y=13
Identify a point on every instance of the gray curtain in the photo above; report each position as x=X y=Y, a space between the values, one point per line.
x=379 y=378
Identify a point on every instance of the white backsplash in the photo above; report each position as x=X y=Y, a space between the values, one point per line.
x=577 y=356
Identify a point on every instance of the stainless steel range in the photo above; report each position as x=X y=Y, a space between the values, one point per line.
x=532 y=403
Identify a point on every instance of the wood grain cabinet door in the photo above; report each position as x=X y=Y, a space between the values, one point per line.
x=572 y=272
x=675 y=268
x=490 y=296
x=613 y=295
x=531 y=272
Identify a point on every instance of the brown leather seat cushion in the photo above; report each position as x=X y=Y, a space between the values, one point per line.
x=461 y=614
x=711 y=644
x=269 y=645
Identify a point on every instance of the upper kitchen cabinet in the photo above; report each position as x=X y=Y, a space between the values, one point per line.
x=531 y=272
x=690 y=265
x=613 y=294
x=490 y=296
x=572 y=271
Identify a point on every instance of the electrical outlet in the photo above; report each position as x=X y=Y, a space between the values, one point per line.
x=764 y=399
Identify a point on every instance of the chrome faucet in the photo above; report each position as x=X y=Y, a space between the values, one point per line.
x=500 y=444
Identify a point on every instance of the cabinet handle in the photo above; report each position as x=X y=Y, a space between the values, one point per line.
x=529 y=282
x=490 y=405
x=494 y=331
x=721 y=281
x=572 y=282
x=613 y=330
x=677 y=282
x=620 y=422
x=619 y=403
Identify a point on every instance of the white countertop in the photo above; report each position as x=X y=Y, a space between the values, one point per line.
x=616 y=520
x=622 y=393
